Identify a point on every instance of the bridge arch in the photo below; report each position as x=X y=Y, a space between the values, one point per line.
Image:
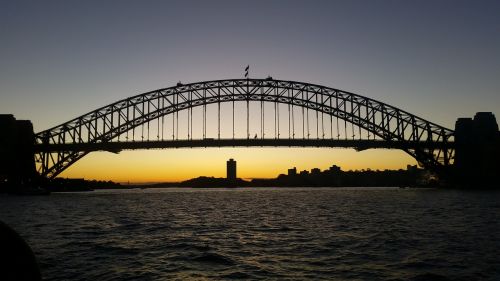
x=427 y=142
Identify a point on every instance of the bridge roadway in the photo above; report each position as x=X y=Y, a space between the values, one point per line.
x=209 y=142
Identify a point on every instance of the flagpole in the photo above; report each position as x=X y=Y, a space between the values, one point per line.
x=248 y=102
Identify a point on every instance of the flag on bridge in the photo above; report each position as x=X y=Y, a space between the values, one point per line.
x=246 y=71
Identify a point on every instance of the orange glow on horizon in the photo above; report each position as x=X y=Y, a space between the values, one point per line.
x=172 y=165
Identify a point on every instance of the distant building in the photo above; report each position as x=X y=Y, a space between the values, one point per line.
x=292 y=171
x=411 y=168
x=334 y=169
x=315 y=171
x=231 y=169
x=305 y=172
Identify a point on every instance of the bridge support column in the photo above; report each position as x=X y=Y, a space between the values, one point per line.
x=17 y=162
x=477 y=154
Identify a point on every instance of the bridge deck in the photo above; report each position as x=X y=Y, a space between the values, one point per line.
x=340 y=143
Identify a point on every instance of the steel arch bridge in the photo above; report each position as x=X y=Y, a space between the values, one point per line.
x=379 y=125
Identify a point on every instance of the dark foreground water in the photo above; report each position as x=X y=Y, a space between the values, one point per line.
x=268 y=234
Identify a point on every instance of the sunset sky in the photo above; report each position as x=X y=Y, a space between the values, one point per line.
x=439 y=60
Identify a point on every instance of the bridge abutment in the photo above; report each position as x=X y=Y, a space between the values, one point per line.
x=477 y=154
x=17 y=162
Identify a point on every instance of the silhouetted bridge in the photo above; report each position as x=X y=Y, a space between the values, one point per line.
x=269 y=112
x=298 y=110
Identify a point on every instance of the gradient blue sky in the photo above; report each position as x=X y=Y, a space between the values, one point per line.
x=437 y=59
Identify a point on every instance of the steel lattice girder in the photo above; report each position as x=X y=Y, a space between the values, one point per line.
x=380 y=119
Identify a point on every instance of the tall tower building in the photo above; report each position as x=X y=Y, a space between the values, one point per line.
x=231 y=169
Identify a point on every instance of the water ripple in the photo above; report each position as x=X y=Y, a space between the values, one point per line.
x=262 y=234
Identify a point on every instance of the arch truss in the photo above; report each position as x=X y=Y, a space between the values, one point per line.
x=61 y=146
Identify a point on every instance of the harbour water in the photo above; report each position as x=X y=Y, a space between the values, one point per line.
x=261 y=234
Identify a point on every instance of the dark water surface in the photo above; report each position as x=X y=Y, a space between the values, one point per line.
x=268 y=234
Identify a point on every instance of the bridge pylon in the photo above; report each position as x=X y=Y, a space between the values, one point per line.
x=477 y=153
x=17 y=162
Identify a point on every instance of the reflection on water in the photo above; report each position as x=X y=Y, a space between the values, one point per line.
x=293 y=234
